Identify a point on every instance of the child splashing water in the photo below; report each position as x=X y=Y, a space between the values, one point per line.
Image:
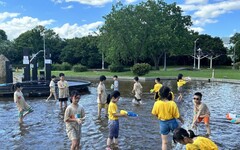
x=22 y=106
x=192 y=141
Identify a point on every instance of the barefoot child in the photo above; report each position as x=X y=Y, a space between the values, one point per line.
x=52 y=88
x=102 y=97
x=63 y=90
x=113 y=122
x=201 y=112
x=156 y=88
x=22 y=106
x=167 y=112
x=192 y=141
x=137 y=90
x=74 y=117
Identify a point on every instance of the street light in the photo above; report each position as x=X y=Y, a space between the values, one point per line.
x=234 y=52
x=194 y=53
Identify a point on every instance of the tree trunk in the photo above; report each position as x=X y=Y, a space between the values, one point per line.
x=165 y=61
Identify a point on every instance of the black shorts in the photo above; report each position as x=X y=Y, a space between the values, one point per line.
x=137 y=99
x=63 y=99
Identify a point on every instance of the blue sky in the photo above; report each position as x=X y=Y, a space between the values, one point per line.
x=77 y=18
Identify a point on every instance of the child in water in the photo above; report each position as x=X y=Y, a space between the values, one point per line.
x=192 y=141
x=52 y=88
x=201 y=112
x=115 y=85
x=113 y=122
x=63 y=90
x=22 y=106
x=102 y=97
x=180 y=82
x=137 y=90
x=74 y=118
x=167 y=112
x=156 y=88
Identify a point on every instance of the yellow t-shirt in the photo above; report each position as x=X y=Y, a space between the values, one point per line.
x=157 y=87
x=202 y=143
x=165 y=110
x=112 y=109
x=181 y=82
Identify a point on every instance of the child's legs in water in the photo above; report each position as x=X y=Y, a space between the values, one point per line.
x=113 y=126
x=75 y=144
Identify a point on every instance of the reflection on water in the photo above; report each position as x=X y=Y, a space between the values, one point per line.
x=45 y=129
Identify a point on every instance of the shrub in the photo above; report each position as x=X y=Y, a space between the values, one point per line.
x=141 y=69
x=62 y=67
x=79 y=68
x=116 y=68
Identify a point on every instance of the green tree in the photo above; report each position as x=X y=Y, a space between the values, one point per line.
x=82 y=51
x=34 y=40
x=149 y=29
x=235 y=39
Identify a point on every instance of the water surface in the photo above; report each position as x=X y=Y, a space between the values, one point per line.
x=45 y=129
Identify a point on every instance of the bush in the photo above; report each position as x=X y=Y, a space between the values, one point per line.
x=79 y=68
x=62 y=67
x=116 y=68
x=141 y=69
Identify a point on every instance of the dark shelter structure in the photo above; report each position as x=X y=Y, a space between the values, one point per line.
x=34 y=85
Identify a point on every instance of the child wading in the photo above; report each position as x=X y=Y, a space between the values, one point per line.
x=201 y=112
x=74 y=117
x=52 y=88
x=63 y=90
x=192 y=141
x=156 y=88
x=22 y=106
x=102 y=97
x=113 y=122
x=180 y=83
x=137 y=90
x=167 y=112
x=115 y=85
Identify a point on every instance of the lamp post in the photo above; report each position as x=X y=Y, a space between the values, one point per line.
x=194 y=53
x=234 y=52
x=199 y=57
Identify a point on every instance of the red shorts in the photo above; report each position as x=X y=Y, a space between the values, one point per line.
x=204 y=119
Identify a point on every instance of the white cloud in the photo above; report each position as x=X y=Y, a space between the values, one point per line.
x=6 y=15
x=214 y=10
x=2 y=3
x=196 y=1
x=189 y=7
x=91 y=2
x=197 y=29
x=203 y=21
x=130 y=1
x=16 y=26
x=67 y=7
x=58 y=1
x=68 y=31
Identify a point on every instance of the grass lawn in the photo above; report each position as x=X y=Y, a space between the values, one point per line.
x=222 y=72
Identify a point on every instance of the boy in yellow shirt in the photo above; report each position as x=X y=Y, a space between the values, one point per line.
x=113 y=123
x=180 y=83
x=192 y=141
x=167 y=112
